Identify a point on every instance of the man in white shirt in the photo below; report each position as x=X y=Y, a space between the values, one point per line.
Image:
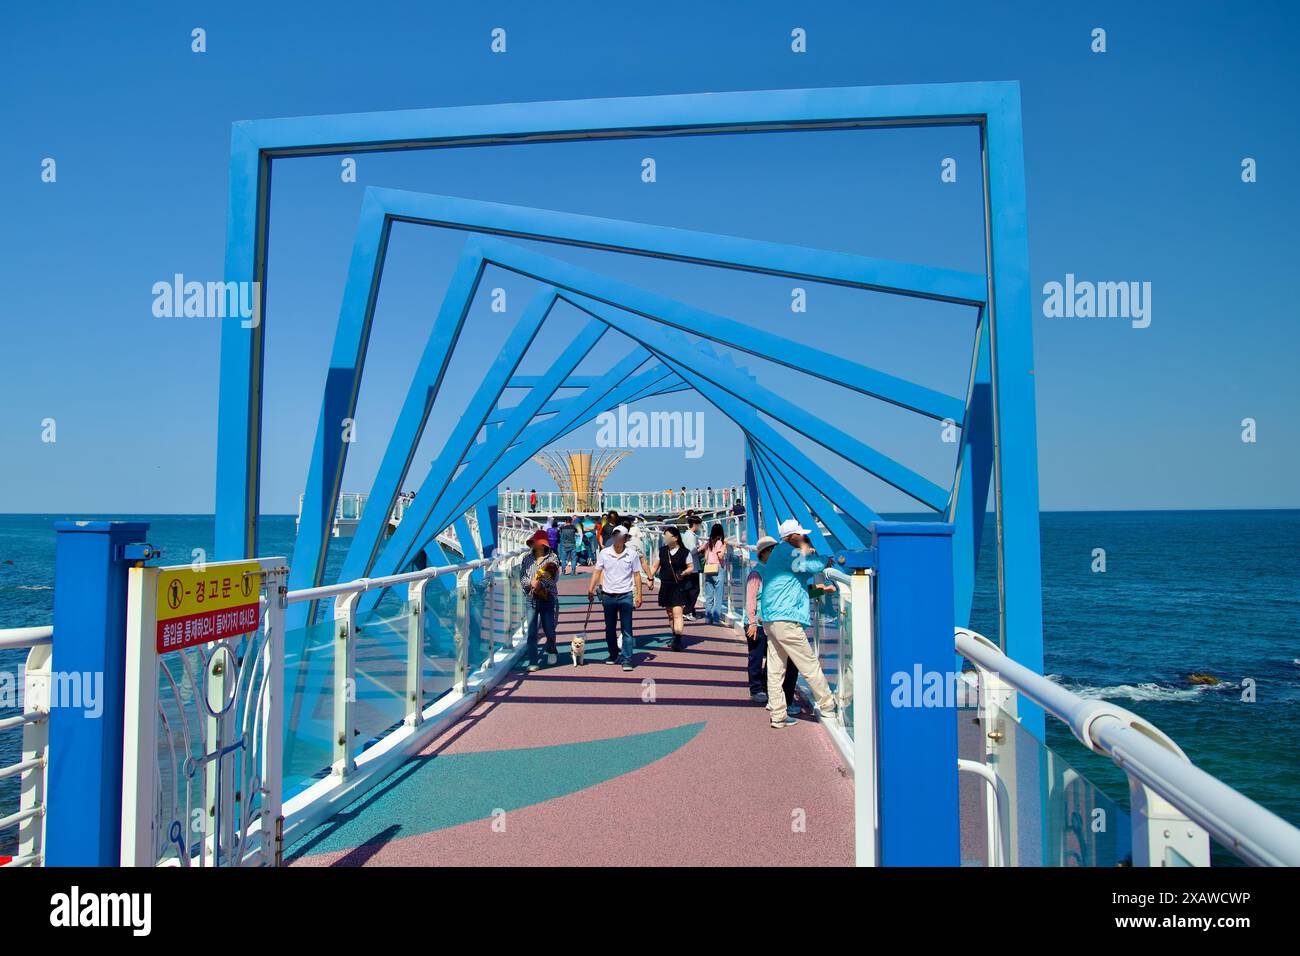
x=620 y=592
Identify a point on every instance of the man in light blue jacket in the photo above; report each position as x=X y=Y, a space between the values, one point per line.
x=786 y=611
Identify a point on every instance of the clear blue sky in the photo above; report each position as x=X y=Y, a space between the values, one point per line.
x=1133 y=164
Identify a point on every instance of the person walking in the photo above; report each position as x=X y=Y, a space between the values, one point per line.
x=636 y=542
x=611 y=519
x=693 y=544
x=713 y=556
x=675 y=571
x=553 y=534
x=756 y=637
x=785 y=610
x=537 y=576
x=532 y=500
x=619 y=585
x=568 y=546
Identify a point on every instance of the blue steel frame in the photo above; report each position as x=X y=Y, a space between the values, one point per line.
x=353 y=331
x=1003 y=296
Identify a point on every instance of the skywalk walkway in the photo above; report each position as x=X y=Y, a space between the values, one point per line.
x=670 y=764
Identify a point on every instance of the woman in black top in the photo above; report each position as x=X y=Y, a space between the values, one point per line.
x=674 y=569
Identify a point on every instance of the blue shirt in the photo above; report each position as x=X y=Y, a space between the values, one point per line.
x=786 y=575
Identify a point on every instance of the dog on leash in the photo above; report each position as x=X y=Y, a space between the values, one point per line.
x=576 y=648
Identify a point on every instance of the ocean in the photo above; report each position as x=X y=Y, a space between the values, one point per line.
x=1183 y=592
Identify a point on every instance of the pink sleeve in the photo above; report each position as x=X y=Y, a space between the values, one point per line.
x=752 y=584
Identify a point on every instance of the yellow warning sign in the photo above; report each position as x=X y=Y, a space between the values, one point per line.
x=195 y=607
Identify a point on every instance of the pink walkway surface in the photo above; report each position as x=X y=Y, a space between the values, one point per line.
x=735 y=794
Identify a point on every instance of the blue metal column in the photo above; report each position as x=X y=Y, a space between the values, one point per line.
x=486 y=510
x=916 y=734
x=751 y=497
x=1015 y=423
x=84 y=801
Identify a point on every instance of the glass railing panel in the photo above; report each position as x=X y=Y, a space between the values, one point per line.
x=738 y=571
x=438 y=655
x=380 y=661
x=308 y=705
x=844 y=624
x=1049 y=813
x=825 y=605
x=485 y=619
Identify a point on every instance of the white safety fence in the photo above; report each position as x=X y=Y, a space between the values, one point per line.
x=668 y=501
x=33 y=724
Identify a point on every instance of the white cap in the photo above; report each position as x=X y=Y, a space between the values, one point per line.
x=617 y=531
x=789 y=527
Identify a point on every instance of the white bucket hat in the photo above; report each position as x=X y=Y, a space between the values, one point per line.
x=789 y=527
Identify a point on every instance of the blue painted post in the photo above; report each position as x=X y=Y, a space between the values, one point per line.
x=84 y=797
x=486 y=510
x=751 y=498
x=917 y=718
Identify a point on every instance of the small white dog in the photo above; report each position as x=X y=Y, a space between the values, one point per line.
x=576 y=648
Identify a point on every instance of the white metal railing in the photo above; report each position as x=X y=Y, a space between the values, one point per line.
x=519 y=501
x=1174 y=803
x=31 y=770
x=352 y=504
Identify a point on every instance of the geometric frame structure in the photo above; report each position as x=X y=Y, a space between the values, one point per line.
x=1000 y=425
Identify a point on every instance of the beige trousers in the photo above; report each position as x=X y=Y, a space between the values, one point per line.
x=786 y=641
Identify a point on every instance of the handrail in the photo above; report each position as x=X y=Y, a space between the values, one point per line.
x=1249 y=830
x=13 y=637
x=361 y=585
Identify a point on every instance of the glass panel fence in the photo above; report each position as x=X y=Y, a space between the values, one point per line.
x=438 y=670
x=308 y=705
x=380 y=668
x=1049 y=814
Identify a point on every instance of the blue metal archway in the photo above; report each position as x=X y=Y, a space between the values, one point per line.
x=996 y=415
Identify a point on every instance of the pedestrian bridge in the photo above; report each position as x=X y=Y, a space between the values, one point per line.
x=271 y=709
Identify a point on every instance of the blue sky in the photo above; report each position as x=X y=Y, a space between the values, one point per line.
x=1133 y=161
